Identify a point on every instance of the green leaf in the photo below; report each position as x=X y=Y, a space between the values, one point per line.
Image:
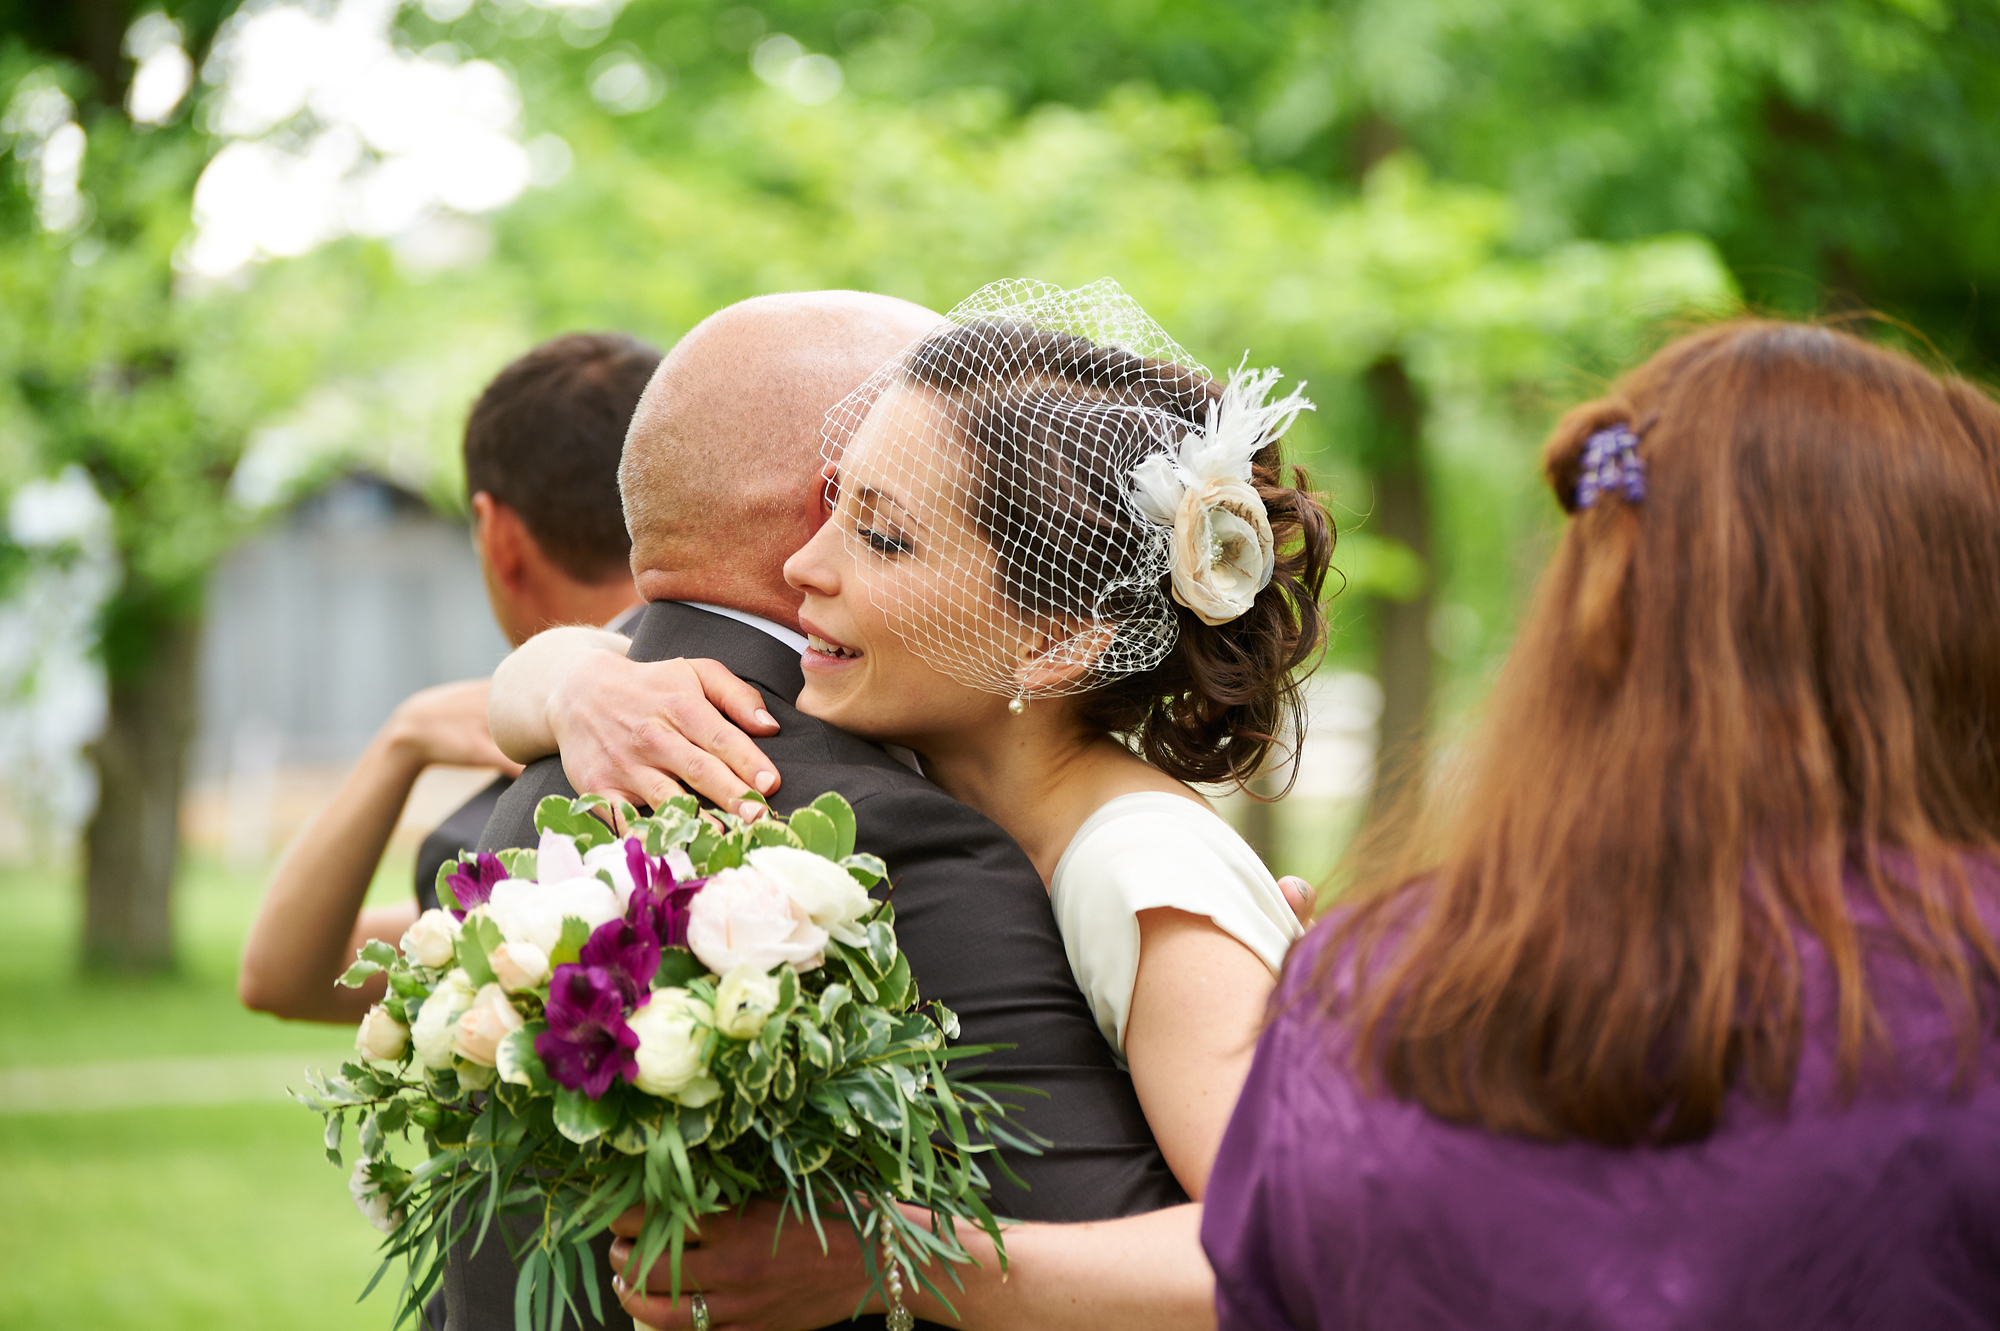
x=667 y=1157
x=868 y=870
x=573 y=818
x=471 y=950
x=334 y=1124
x=770 y=833
x=358 y=974
x=677 y=967
x=371 y=1137
x=582 y=1119
x=723 y=853
x=569 y=944
x=832 y=999
x=841 y=814
x=519 y=861
x=816 y=832
x=895 y=991
x=519 y=1064
x=696 y=1124
x=446 y=897
x=881 y=947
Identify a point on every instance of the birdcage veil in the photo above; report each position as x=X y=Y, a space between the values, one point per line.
x=1027 y=491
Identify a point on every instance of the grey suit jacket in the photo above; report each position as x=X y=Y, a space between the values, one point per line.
x=972 y=916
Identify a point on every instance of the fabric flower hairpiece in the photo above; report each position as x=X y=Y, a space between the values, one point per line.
x=1223 y=553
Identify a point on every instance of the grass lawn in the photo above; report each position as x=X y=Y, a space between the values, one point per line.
x=181 y=1215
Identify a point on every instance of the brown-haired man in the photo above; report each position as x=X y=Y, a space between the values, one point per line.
x=541 y=470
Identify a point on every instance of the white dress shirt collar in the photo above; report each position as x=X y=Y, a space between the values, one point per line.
x=792 y=638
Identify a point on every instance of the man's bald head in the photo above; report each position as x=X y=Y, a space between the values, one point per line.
x=720 y=474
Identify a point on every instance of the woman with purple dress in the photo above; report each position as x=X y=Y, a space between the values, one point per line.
x=1678 y=1008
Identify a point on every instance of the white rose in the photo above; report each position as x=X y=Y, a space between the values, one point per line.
x=438 y=1018
x=381 y=1036
x=671 y=1034
x=431 y=940
x=370 y=1198
x=519 y=966
x=610 y=857
x=1223 y=551
x=480 y=1028
x=827 y=892
x=744 y=1001
x=533 y=912
x=744 y=917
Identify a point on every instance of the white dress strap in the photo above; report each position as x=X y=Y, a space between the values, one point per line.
x=1145 y=852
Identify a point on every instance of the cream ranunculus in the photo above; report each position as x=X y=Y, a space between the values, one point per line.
x=437 y=1019
x=827 y=892
x=744 y=1001
x=672 y=1030
x=533 y=912
x=480 y=1029
x=431 y=940
x=744 y=917
x=519 y=966
x=381 y=1036
x=1223 y=551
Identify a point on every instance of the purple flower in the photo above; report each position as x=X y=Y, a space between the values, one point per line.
x=473 y=889
x=587 y=1043
x=627 y=951
x=658 y=900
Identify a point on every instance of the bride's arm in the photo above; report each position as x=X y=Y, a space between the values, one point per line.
x=1197 y=1007
x=626 y=729
x=1140 y=1273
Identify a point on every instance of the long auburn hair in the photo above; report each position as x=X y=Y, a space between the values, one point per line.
x=1783 y=662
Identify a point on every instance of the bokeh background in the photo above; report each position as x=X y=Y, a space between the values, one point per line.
x=256 y=259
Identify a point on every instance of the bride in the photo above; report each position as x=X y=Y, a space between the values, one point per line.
x=1067 y=569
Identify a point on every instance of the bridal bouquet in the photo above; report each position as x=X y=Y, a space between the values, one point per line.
x=701 y=1012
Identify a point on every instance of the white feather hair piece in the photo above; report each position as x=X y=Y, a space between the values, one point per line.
x=1240 y=422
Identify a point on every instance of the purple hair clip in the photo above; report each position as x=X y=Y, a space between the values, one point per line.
x=1611 y=464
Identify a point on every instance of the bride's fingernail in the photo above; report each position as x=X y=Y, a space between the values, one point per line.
x=619 y=1282
x=766 y=780
x=764 y=718
x=749 y=811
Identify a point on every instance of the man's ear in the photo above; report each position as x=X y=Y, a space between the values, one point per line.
x=498 y=534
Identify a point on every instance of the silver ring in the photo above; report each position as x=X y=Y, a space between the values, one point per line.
x=700 y=1307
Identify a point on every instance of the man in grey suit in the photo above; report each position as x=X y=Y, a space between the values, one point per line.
x=719 y=480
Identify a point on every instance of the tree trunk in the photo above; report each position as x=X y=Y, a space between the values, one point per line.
x=133 y=843
x=1402 y=628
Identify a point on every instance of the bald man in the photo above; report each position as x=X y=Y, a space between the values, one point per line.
x=721 y=483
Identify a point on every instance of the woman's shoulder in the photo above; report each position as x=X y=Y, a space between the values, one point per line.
x=1150 y=850
x=1155 y=822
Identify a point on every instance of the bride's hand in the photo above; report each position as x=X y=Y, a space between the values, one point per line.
x=628 y=729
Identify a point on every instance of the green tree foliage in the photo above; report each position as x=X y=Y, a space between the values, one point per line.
x=1449 y=216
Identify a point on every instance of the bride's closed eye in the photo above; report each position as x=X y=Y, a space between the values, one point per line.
x=887 y=544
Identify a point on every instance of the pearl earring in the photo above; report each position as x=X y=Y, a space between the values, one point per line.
x=1017 y=704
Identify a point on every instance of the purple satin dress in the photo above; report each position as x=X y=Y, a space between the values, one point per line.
x=1331 y=1209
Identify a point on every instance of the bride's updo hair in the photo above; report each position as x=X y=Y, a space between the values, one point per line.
x=1053 y=425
